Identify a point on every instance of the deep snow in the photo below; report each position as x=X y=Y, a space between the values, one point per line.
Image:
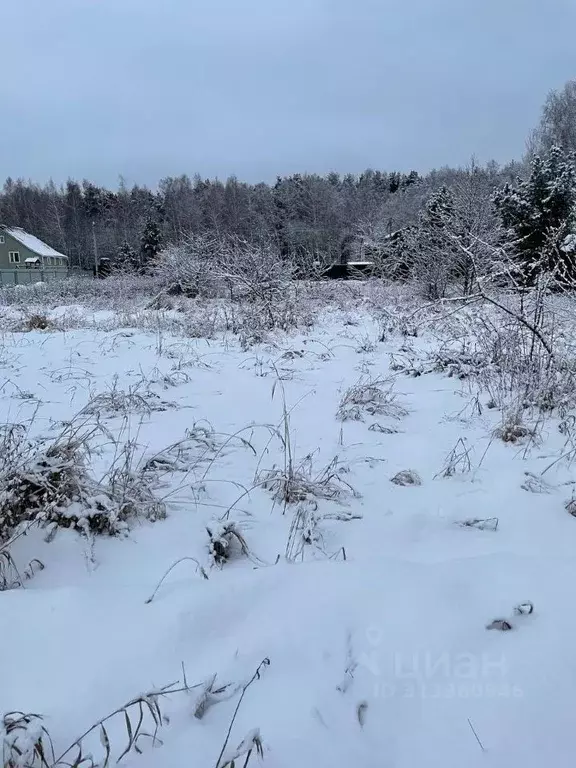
x=376 y=635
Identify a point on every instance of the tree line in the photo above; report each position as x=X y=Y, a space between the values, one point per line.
x=301 y=213
x=409 y=220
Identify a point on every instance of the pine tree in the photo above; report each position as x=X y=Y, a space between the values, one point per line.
x=437 y=221
x=411 y=178
x=436 y=254
x=280 y=218
x=397 y=250
x=538 y=217
x=395 y=181
x=127 y=256
x=93 y=201
x=151 y=243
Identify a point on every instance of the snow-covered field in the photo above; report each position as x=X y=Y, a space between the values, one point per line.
x=362 y=603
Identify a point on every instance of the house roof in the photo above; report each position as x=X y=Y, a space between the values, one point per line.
x=360 y=263
x=32 y=260
x=32 y=242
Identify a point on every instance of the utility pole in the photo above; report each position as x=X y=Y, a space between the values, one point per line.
x=95 y=248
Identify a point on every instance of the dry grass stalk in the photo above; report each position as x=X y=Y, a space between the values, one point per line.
x=305 y=529
x=181 y=560
x=27 y=742
x=535 y=484
x=250 y=742
x=458 y=460
x=211 y=695
x=10 y=577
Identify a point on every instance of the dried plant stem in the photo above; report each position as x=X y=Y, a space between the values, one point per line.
x=256 y=676
x=181 y=560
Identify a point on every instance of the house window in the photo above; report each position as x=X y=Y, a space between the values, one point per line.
x=2 y=240
x=14 y=257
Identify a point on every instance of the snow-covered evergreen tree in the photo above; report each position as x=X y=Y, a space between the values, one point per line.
x=538 y=216
x=437 y=257
x=395 y=181
x=411 y=178
x=151 y=242
x=127 y=256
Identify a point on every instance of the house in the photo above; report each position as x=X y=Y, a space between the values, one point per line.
x=24 y=258
x=349 y=268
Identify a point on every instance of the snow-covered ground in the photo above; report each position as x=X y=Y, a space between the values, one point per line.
x=369 y=599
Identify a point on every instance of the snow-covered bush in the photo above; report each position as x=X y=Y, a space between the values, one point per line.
x=294 y=484
x=115 y=401
x=25 y=741
x=406 y=477
x=192 y=267
x=225 y=542
x=460 y=362
x=512 y=430
x=49 y=483
x=36 y=322
x=372 y=396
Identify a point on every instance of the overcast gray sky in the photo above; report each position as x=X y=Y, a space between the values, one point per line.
x=148 y=88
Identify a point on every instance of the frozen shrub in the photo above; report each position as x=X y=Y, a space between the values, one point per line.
x=370 y=396
x=50 y=484
x=406 y=477
x=512 y=430
x=500 y=624
x=201 y=325
x=189 y=268
x=225 y=542
x=121 y=291
x=298 y=483
x=481 y=524
x=25 y=741
x=114 y=402
x=366 y=346
x=376 y=427
x=47 y=482
x=458 y=363
x=38 y=322
x=524 y=609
